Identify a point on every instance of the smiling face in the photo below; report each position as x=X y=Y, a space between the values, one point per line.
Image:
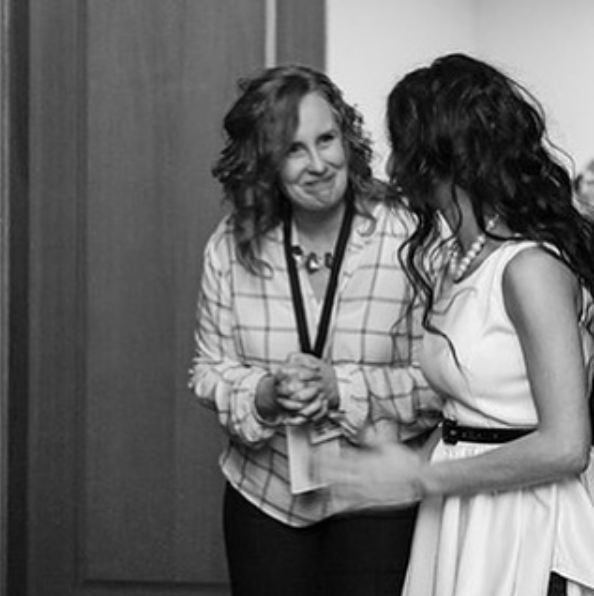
x=314 y=173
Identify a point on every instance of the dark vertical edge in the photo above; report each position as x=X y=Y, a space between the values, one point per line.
x=301 y=32
x=15 y=258
x=81 y=285
x=56 y=300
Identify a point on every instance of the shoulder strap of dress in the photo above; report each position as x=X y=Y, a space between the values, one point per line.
x=509 y=250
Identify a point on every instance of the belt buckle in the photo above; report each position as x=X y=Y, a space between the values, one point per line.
x=450 y=432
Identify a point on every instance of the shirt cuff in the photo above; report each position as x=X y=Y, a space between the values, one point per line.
x=353 y=406
x=248 y=424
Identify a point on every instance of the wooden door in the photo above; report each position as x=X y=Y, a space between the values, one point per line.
x=126 y=100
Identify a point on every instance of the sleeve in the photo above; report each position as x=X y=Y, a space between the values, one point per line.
x=395 y=391
x=218 y=378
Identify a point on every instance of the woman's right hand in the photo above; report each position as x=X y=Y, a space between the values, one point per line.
x=306 y=388
x=267 y=405
x=289 y=397
x=376 y=476
x=302 y=390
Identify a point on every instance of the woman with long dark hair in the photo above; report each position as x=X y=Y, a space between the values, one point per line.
x=508 y=342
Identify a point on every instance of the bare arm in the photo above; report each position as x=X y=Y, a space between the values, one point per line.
x=542 y=299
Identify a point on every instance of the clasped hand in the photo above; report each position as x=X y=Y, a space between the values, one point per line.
x=306 y=389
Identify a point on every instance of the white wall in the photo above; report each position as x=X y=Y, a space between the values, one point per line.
x=548 y=45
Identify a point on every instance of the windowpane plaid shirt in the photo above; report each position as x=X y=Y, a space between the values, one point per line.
x=246 y=328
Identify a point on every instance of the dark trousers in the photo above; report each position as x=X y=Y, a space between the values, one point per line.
x=359 y=555
x=557 y=586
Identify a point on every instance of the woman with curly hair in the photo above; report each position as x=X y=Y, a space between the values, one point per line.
x=508 y=342
x=305 y=341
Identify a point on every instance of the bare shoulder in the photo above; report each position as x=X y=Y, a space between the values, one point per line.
x=536 y=265
x=536 y=278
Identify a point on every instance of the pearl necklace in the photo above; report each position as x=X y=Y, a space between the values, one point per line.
x=459 y=264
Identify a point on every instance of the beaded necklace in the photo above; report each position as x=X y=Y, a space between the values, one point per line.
x=312 y=262
x=459 y=263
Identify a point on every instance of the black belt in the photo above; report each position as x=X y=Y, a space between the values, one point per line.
x=452 y=432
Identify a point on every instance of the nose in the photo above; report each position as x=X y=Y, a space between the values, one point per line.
x=316 y=161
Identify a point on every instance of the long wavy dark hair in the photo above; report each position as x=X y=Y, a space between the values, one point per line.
x=259 y=130
x=464 y=122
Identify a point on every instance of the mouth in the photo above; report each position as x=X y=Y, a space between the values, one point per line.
x=320 y=186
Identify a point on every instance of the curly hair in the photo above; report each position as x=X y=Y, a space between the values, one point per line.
x=465 y=123
x=259 y=129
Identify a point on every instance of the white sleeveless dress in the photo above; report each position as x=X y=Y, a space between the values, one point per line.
x=495 y=544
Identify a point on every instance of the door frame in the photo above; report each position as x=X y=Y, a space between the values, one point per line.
x=13 y=292
x=33 y=461
x=4 y=288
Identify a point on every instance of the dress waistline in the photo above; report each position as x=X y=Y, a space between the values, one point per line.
x=452 y=432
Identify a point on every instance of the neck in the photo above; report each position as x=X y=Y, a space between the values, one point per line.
x=466 y=237
x=463 y=258
x=319 y=227
x=461 y=220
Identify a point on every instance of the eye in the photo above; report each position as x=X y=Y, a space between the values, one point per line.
x=328 y=137
x=294 y=149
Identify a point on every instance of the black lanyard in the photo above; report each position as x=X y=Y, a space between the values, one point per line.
x=296 y=295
